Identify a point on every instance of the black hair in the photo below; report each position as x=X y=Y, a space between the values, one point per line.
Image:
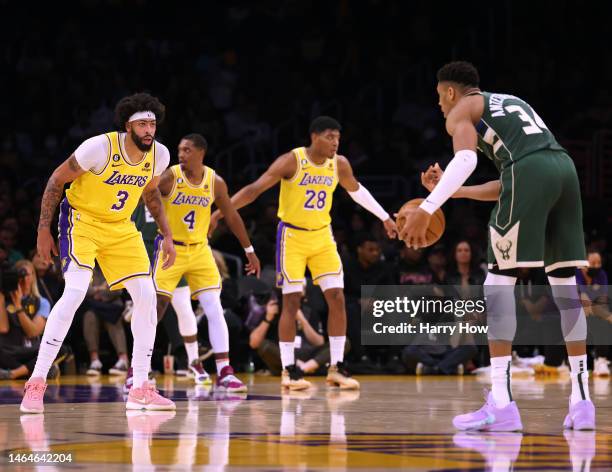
x=460 y=72
x=198 y=140
x=323 y=123
x=131 y=104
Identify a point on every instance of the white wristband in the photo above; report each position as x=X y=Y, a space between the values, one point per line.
x=456 y=173
x=249 y=250
x=366 y=200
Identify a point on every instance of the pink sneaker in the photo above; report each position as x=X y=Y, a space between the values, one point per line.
x=228 y=382
x=34 y=392
x=147 y=398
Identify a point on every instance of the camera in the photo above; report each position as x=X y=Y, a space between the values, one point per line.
x=10 y=277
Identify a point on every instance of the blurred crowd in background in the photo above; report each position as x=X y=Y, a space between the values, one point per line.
x=250 y=76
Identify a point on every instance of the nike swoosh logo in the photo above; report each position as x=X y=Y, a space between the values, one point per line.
x=116 y=165
x=139 y=400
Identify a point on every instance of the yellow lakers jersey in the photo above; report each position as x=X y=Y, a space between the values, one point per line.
x=188 y=206
x=306 y=198
x=112 y=194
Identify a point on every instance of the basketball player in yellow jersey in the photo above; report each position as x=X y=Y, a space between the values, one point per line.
x=109 y=174
x=308 y=177
x=189 y=190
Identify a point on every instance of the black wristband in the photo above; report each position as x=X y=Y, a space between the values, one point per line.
x=265 y=320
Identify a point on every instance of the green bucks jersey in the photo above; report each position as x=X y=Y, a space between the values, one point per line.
x=145 y=223
x=510 y=130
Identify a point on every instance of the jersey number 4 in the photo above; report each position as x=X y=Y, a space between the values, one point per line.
x=535 y=125
x=190 y=220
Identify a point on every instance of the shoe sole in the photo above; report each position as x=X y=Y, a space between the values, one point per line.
x=23 y=409
x=489 y=428
x=334 y=384
x=232 y=390
x=296 y=388
x=140 y=406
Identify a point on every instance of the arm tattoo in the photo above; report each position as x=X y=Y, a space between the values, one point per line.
x=152 y=199
x=73 y=164
x=51 y=197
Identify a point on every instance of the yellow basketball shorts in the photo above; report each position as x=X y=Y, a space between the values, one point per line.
x=194 y=261
x=117 y=247
x=297 y=249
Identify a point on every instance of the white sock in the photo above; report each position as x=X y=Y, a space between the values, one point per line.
x=580 y=378
x=287 y=352
x=144 y=326
x=217 y=327
x=500 y=380
x=336 y=349
x=57 y=327
x=192 y=351
x=221 y=363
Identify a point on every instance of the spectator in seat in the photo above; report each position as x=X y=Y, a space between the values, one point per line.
x=311 y=350
x=23 y=317
x=593 y=287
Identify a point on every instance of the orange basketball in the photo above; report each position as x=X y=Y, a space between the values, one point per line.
x=436 y=224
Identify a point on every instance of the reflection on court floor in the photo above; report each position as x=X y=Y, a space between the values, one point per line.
x=393 y=423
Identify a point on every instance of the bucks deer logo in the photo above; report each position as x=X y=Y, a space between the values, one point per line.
x=504 y=249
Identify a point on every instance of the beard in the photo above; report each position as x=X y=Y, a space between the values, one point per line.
x=139 y=142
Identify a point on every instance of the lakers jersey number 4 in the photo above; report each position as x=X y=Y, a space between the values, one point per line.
x=306 y=198
x=111 y=194
x=188 y=206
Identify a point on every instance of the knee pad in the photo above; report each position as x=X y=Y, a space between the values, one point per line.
x=69 y=303
x=567 y=299
x=211 y=304
x=501 y=306
x=181 y=302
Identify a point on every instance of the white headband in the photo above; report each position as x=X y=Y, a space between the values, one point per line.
x=142 y=115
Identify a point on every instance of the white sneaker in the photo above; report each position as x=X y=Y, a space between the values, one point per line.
x=601 y=368
x=120 y=368
x=95 y=368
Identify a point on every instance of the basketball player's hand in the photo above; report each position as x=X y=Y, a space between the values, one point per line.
x=214 y=221
x=390 y=228
x=253 y=267
x=45 y=245
x=415 y=227
x=431 y=176
x=169 y=252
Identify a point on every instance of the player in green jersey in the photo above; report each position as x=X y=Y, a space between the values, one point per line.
x=181 y=301
x=536 y=222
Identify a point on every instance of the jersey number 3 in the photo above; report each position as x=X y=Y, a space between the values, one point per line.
x=122 y=196
x=190 y=220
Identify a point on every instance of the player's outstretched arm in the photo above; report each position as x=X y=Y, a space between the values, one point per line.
x=151 y=196
x=460 y=125
x=236 y=225
x=487 y=192
x=362 y=196
x=284 y=167
x=67 y=171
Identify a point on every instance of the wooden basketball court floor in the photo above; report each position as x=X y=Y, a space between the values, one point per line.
x=393 y=423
